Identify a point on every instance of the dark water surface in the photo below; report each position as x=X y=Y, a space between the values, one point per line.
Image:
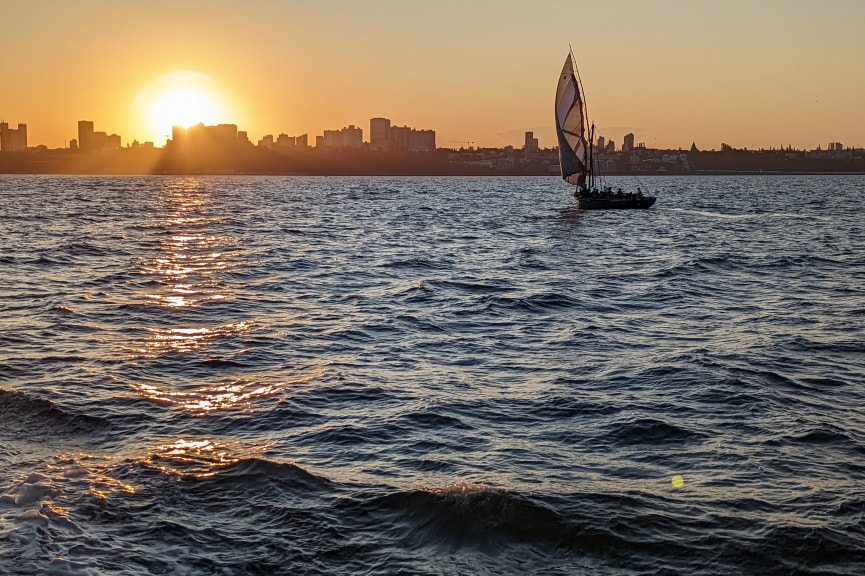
x=252 y=375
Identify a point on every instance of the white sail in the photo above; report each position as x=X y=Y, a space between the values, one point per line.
x=571 y=127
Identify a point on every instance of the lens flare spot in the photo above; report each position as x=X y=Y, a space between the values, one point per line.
x=678 y=481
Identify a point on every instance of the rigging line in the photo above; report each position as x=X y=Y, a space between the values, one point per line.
x=641 y=183
x=585 y=110
x=580 y=84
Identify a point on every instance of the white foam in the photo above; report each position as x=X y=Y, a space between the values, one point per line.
x=31 y=493
x=32 y=514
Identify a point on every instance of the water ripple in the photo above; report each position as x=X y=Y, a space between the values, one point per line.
x=257 y=375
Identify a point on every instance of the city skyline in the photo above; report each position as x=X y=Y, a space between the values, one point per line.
x=381 y=135
x=389 y=150
x=755 y=75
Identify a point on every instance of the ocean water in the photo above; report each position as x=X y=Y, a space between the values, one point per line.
x=292 y=375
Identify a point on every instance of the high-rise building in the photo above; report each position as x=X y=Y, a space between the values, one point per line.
x=602 y=144
x=379 y=133
x=405 y=138
x=225 y=134
x=12 y=140
x=202 y=139
x=85 y=135
x=90 y=141
x=353 y=136
x=423 y=140
x=178 y=135
x=349 y=137
x=399 y=137
x=628 y=142
x=285 y=142
x=531 y=143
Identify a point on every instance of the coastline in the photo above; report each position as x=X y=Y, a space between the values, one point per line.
x=442 y=162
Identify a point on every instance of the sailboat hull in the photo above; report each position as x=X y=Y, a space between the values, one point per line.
x=639 y=202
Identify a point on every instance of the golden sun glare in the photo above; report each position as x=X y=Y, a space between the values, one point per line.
x=177 y=99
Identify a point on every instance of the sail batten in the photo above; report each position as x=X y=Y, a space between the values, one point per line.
x=571 y=127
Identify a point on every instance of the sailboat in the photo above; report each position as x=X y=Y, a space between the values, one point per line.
x=576 y=154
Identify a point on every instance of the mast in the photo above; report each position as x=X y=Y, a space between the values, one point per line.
x=582 y=91
x=585 y=110
x=591 y=155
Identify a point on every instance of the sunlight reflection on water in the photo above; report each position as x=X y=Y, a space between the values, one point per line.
x=198 y=458
x=160 y=341
x=237 y=394
x=186 y=273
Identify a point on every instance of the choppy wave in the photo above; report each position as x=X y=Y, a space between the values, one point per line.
x=256 y=375
x=24 y=416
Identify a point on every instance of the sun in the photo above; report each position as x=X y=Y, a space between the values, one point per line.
x=180 y=98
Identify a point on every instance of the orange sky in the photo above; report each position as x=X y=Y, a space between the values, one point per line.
x=751 y=73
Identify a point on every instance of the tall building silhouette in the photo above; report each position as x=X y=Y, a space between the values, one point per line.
x=350 y=137
x=531 y=143
x=11 y=139
x=90 y=141
x=204 y=138
x=406 y=138
x=85 y=135
x=379 y=133
x=267 y=141
x=628 y=142
x=285 y=142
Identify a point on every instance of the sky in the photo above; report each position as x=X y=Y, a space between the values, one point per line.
x=749 y=73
